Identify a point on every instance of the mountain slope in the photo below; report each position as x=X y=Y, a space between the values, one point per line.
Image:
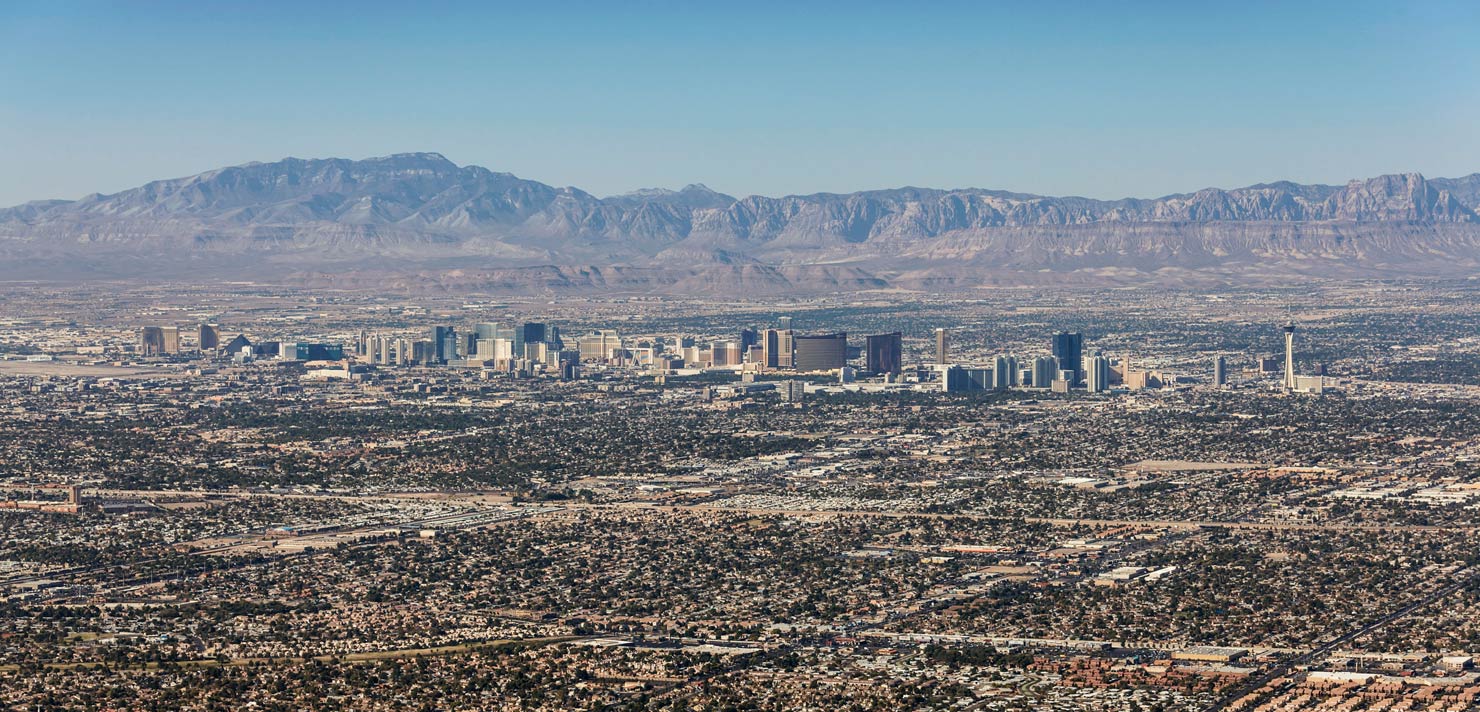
x=420 y=213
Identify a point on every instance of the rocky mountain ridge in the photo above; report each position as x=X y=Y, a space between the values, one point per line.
x=324 y=220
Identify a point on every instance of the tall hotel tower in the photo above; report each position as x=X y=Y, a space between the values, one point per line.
x=1290 y=356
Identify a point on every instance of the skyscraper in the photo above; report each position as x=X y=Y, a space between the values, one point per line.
x=1045 y=370
x=725 y=353
x=884 y=353
x=159 y=340
x=748 y=338
x=942 y=356
x=954 y=379
x=490 y=330
x=1097 y=377
x=210 y=337
x=1004 y=372
x=494 y=349
x=783 y=323
x=532 y=333
x=598 y=346
x=1290 y=356
x=1068 y=350
x=151 y=341
x=444 y=344
x=1220 y=371
x=779 y=348
x=821 y=352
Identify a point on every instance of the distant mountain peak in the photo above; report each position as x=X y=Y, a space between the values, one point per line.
x=694 y=196
x=646 y=193
x=424 y=156
x=664 y=192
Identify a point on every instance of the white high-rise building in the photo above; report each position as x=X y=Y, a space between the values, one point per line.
x=1097 y=376
x=1004 y=371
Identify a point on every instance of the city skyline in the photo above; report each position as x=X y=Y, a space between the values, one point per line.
x=536 y=348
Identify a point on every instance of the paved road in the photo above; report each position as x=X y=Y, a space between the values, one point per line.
x=1154 y=523
x=1055 y=521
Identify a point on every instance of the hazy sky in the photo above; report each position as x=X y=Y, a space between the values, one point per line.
x=1104 y=99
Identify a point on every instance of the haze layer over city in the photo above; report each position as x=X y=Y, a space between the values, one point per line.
x=400 y=423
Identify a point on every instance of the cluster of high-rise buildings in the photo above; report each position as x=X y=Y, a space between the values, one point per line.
x=1065 y=368
x=165 y=340
x=527 y=347
x=785 y=349
x=538 y=347
x=780 y=348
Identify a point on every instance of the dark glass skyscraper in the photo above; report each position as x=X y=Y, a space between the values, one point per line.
x=820 y=353
x=210 y=337
x=532 y=333
x=1068 y=350
x=884 y=353
x=748 y=338
x=444 y=343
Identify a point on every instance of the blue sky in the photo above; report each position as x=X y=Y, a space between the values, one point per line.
x=1098 y=98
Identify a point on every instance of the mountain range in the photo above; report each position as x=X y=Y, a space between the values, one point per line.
x=418 y=221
